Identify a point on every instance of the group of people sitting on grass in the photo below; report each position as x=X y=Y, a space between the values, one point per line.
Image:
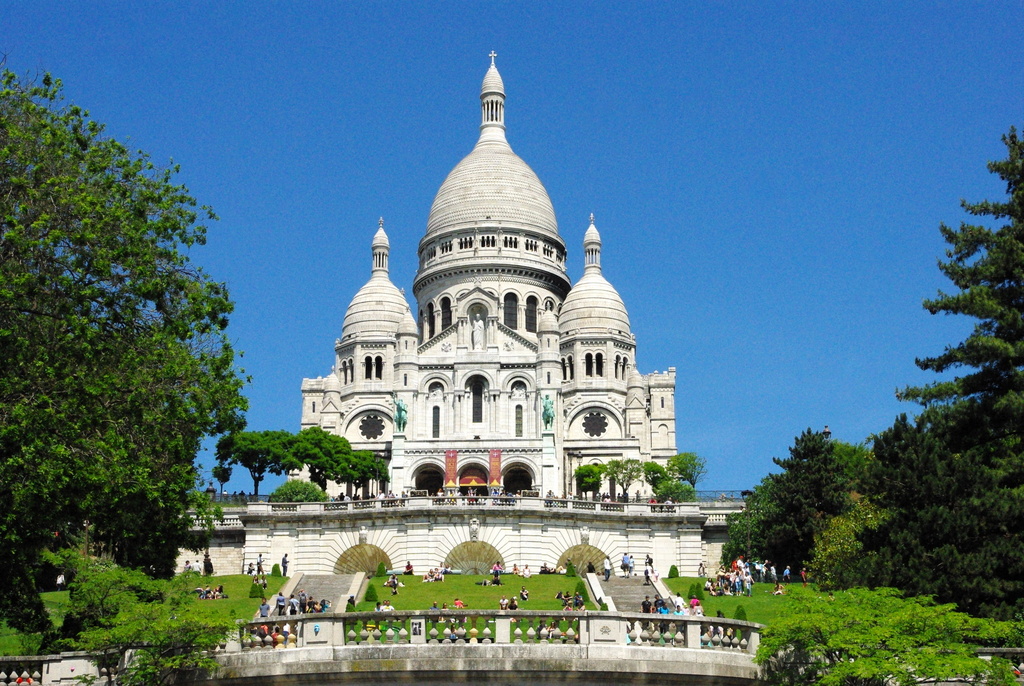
x=210 y=593
x=571 y=602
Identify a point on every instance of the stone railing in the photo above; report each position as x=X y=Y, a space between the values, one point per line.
x=508 y=627
x=491 y=502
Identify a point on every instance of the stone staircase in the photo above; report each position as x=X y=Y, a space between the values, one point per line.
x=627 y=593
x=334 y=587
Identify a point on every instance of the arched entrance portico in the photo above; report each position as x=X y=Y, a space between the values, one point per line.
x=473 y=480
x=429 y=479
x=517 y=478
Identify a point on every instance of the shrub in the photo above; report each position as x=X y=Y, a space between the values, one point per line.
x=604 y=606
x=673 y=572
x=382 y=571
x=275 y=570
x=741 y=613
x=581 y=588
x=296 y=491
x=570 y=569
x=371 y=593
x=256 y=591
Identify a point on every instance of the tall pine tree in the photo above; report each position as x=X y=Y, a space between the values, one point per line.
x=953 y=479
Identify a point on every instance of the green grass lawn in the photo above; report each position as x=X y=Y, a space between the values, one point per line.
x=419 y=596
x=761 y=607
x=238 y=604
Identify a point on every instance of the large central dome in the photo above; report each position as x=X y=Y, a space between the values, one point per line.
x=492 y=185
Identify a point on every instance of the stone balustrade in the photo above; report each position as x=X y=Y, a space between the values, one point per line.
x=505 y=627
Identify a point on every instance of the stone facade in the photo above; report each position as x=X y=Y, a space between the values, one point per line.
x=498 y=333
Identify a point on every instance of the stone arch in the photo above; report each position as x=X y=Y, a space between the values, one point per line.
x=429 y=476
x=518 y=377
x=362 y=558
x=474 y=557
x=581 y=555
x=517 y=476
x=613 y=428
x=354 y=428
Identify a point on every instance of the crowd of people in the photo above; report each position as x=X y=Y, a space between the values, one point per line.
x=302 y=603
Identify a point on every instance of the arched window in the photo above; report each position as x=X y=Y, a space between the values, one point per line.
x=430 y=320
x=511 y=310
x=572 y=369
x=617 y=360
x=549 y=305
x=531 y=314
x=519 y=420
x=446 y=313
x=599 y=364
x=314 y=406
x=478 y=401
x=565 y=374
x=588 y=363
x=369 y=367
x=435 y=422
x=378 y=367
x=405 y=379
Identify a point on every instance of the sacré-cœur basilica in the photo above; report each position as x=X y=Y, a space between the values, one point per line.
x=498 y=332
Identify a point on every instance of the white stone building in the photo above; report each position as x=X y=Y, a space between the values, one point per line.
x=497 y=329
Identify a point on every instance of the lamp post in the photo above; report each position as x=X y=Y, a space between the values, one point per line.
x=827 y=433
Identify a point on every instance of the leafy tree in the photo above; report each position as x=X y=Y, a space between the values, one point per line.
x=589 y=478
x=624 y=473
x=258 y=451
x=153 y=626
x=839 y=559
x=952 y=477
x=327 y=457
x=688 y=467
x=787 y=509
x=222 y=473
x=114 y=363
x=675 y=490
x=874 y=638
x=366 y=468
x=654 y=474
x=298 y=491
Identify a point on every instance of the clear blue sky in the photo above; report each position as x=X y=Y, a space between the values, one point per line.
x=768 y=178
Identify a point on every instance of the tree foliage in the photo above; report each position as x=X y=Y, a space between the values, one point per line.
x=688 y=467
x=624 y=472
x=676 y=491
x=654 y=474
x=589 y=478
x=296 y=491
x=326 y=456
x=152 y=627
x=874 y=638
x=114 y=363
x=260 y=452
x=952 y=477
x=839 y=559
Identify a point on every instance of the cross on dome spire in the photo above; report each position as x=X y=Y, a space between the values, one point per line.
x=591 y=218
x=380 y=222
x=492 y=56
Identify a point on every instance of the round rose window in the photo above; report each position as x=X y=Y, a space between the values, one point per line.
x=371 y=427
x=595 y=424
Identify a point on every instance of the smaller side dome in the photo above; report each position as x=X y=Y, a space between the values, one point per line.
x=547 y=322
x=378 y=306
x=332 y=384
x=408 y=326
x=635 y=380
x=593 y=305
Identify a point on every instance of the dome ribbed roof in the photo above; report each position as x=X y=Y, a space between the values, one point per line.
x=593 y=305
x=408 y=325
x=492 y=184
x=378 y=307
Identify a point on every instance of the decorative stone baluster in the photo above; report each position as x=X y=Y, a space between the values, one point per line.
x=375 y=636
x=460 y=633
x=364 y=634
x=486 y=636
x=473 y=632
x=531 y=633
x=517 y=634
x=634 y=637
x=645 y=633
x=570 y=635
x=432 y=635
x=350 y=637
x=403 y=634
x=655 y=634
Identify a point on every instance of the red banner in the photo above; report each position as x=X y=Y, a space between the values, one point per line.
x=451 y=468
x=494 y=477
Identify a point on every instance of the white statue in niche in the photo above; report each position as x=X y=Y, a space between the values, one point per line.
x=474 y=529
x=362 y=535
x=519 y=391
x=477 y=335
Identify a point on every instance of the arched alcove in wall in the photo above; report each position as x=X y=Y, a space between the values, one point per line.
x=474 y=557
x=362 y=558
x=581 y=555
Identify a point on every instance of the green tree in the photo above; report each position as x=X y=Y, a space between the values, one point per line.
x=952 y=477
x=367 y=467
x=259 y=452
x=222 y=473
x=624 y=473
x=747 y=529
x=327 y=457
x=688 y=467
x=589 y=478
x=654 y=474
x=675 y=490
x=874 y=638
x=154 y=627
x=839 y=559
x=298 y=491
x=114 y=362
